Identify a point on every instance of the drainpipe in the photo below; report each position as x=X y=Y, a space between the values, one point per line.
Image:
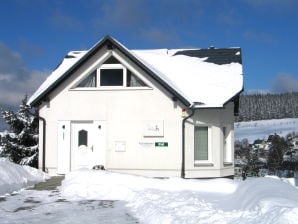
x=43 y=140
x=183 y=140
x=43 y=143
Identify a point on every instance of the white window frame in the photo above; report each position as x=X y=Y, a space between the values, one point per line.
x=123 y=65
x=111 y=66
x=209 y=161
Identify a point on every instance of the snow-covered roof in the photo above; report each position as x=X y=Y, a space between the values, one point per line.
x=70 y=59
x=209 y=81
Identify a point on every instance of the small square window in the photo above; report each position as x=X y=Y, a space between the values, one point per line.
x=111 y=77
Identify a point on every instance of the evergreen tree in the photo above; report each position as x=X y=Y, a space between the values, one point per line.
x=21 y=145
x=268 y=106
x=277 y=150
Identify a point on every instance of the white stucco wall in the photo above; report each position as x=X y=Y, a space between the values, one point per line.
x=215 y=119
x=125 y=111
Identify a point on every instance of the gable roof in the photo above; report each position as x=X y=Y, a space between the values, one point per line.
x=186 y=74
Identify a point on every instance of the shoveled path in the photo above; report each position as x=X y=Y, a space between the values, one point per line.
x=43 y=203
x=49 y=185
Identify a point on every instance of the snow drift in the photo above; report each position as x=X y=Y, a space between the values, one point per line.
x=175 y=200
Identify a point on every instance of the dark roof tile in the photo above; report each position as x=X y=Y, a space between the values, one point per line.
x=218 y=56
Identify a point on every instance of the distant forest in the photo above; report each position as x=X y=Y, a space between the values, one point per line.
x=267 y=106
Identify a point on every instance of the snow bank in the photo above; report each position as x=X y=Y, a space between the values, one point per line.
x=105 y=185
x=14 y=177
x=175 y=200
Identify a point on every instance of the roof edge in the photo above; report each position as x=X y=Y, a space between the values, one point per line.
x=110 y=42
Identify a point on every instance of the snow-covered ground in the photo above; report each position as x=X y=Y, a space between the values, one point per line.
x=47 y=207
x=91 y=196
x=253 y=130
x=175 y=200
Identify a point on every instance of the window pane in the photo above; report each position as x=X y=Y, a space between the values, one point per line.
x=111 y=77
x=133 y=80
x=201 y=143
x=89 y=81
x=83 y=138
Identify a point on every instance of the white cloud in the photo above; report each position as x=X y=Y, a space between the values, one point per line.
x=257 y=91
x=258 y=36
x=5 y=77
x=285 y=83
x=228 y=18
x=129 y=13
x=16 y=79
x=273 y=4
x=63 y=21
x=160 y=37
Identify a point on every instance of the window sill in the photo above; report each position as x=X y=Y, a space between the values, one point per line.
x=203 y=164
x=228 y=164
x=111 y=88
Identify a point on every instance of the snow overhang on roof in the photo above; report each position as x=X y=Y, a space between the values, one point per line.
x=210 y=84
x=197 y=77
x=70 y=59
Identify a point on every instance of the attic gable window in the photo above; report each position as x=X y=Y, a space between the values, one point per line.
x=111 y=77
x=133 y=81
x=89 y=81
x=111 y=74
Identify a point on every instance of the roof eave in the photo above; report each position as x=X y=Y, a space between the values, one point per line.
x=233 y=97
x=70 y=70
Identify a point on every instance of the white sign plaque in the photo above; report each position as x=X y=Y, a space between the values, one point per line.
x=120 y=146
x=153 y=129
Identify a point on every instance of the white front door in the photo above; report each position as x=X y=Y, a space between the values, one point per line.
x=86 y=144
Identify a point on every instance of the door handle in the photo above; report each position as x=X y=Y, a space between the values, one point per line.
x=92 y=148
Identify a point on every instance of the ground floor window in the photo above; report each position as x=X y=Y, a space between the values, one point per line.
x=201 y=148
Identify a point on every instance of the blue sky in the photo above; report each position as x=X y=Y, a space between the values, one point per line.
x=37 y=34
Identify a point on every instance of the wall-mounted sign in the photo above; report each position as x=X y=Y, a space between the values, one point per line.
x=161 y=144
x=146 y=145
x=153 y=129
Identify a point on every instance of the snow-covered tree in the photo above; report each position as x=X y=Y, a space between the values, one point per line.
x=275 y=156
x=21 y=144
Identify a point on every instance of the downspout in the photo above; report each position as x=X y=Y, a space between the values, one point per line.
x=43 y=140
x=183 y=140
x=43 y=143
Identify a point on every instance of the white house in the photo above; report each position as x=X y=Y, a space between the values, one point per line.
x=156 y=113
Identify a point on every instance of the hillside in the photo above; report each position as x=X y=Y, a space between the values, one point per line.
x=253 y=130
x=268 y=106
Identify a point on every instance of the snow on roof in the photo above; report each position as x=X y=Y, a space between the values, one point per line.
x=198 y=81
x=69 y=60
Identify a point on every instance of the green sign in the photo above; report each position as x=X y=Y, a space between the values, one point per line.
x=161 y=144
